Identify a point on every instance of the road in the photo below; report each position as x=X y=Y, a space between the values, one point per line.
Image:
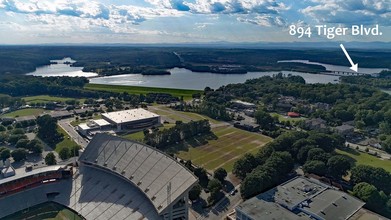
x=69 y=129
x=381 y=153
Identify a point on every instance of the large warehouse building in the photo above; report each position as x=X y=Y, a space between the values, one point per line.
x=127 y=120
x=132 y=119
x=116 y=179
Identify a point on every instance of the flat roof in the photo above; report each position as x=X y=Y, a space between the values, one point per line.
x=56 y=114
x=20 y=173
x=294 y=192
x=129 y=115
x=101 y=122
x=243 y=102
x=257 y=208
x=25 y=118
x=152 y=171
x=333 y=204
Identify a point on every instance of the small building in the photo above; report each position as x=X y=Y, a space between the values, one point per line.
x=26 y=118
x=247 y=126
x=243 y=105
x=315 y=124
x=93 y=125
x=60 y=114
x=344 y=130
x=249 y=112
x=133 y=119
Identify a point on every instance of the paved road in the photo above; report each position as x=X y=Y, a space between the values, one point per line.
x=69 y=129
x=381 y=153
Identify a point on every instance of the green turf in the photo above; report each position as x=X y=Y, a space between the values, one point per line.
x=45 y=211
x=139 y=136
x=67 y=142
x=47 y=98
x=186 y=93
x=283 y=118
x=230 y=145
x=25 y=112
x=366 y=159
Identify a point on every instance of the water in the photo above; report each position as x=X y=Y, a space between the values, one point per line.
x=181 y=78
x=330 y=67
x=61 y=69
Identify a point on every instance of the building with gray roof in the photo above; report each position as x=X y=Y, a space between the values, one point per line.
x=300 y=198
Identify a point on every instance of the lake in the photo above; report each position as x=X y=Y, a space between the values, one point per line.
x=61 y=68
x=330 y=67
x=183 y=78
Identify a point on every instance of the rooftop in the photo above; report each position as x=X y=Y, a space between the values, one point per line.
x=129 y=115
x=152 y=171
x=20 y=173
x=25 y=118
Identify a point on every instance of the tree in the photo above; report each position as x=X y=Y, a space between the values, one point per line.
x=202 y=176
x=19 y=154
x=4 y=153
x=74 y=151
x=318 y=154
x=194 y=193
x=338 y=166
x=214 y=187
x=220 y=174
x=245 y=165
x=376 y=176
x=264 y=119
x=315 y=166
x=386 y=144
x=22 y=143
x=64 y=153
x=47 y=130
x=369 y=194
x=50 y=159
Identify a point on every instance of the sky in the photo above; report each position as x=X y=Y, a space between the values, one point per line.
x=184 y=21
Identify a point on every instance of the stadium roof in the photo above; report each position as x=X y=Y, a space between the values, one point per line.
x=162 y=179
x=23 y=174
x=129 y=115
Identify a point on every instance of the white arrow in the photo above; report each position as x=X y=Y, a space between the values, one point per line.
x=354 y=66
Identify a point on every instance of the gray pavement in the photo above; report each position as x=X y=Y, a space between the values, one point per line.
x=70 y=130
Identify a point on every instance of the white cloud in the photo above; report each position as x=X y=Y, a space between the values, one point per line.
x=350 y=11
x=264 y=20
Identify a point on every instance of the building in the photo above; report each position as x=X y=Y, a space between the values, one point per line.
x=344 y=130
x=316 y=124
x=300 y=198
x=134 y=119
x=293 y=114
x=115 y=179
x=92 y=126
x=247 y=126
x=28 y=118
x=243 y=105
x=60 y=114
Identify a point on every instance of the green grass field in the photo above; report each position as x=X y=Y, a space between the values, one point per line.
x=187 y=94
x=25 y=112
x=47 y=98
x=283 y=118
x=45 y=211
x=169 y=113
x=230 y=145
x=67 y=142
x=365 y=159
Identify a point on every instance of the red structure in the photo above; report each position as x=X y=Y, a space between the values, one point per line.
x=293 y=114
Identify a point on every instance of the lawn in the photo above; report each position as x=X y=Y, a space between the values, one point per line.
x=139 y=136
x=47 y=98
x=67 y=142
x=186 y=93
x=360 y=158
x=25 y=112
x=283 y=118
x=230 y=145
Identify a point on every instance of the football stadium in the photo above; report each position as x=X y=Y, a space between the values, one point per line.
x=114 y=178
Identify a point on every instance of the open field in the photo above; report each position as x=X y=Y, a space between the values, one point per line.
x=67 y=142
x=366 y=159
x=47 y=98
x=283 y=118
x=172 y=115
x=46 y=211
x=25 y=112
x=187 y=94
x=230 y=145
x=139 y=136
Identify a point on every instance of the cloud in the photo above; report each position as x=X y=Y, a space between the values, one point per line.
x=264 y=20
x=236 y=6
x=350 y=11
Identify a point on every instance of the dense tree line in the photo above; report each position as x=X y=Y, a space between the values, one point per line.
x=47 y=130
x=181 y=131
x=211 y=109
x=314 y=150
x=383 y=83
